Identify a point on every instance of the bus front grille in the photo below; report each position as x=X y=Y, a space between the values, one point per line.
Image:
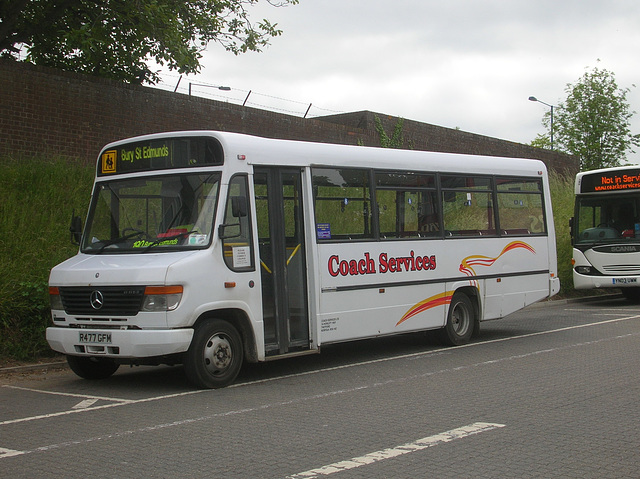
x=102 y=301
x=622 y=269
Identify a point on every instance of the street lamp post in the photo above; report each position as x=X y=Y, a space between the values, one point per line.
x=533 y=98
x=223 y=88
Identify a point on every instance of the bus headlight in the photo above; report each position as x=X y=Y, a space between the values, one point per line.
x=55 y=300
x=161 y=298
x=583 y=270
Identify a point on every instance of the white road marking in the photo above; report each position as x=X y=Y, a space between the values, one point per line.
x=419 y=445
x=267 y=406
x=287 y=402
x=4 y=452
x=121 y=402
x=73 y=395
x=85 y=404
x=182 y=422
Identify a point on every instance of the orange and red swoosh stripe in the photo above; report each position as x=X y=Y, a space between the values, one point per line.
x=432 y=302
x=466 y=266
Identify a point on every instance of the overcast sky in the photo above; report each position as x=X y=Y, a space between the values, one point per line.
x=470 y=64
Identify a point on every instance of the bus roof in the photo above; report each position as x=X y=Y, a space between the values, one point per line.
x=256 y=150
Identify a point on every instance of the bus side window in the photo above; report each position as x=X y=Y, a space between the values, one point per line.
x=342 y=201
x=467 y=205
x=235 y=232
x=406 y=205
x=520 y=206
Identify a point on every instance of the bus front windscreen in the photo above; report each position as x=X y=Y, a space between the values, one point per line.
x=159 y=213
x=606 y=219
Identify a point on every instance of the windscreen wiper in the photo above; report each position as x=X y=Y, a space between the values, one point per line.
x=121 y=239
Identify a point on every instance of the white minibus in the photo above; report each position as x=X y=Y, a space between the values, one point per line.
x=208 y=249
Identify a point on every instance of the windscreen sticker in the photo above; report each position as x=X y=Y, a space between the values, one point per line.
x=323 y=230
x=197 y=239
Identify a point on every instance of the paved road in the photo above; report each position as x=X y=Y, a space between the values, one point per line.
x=551 y=391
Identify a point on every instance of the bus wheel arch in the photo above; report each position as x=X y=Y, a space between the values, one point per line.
x=462 y=318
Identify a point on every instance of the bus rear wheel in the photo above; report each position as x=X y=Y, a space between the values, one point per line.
x=460 y=321
x=215 y=355
x=92 y=368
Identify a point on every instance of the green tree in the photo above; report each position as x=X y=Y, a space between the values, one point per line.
x=541 y=141
x=118 y=38
x=593 y=122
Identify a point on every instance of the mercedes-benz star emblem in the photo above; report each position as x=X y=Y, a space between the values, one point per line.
x=96 y=299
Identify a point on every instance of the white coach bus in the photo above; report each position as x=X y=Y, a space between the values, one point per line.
x=210 y=249
x=605 y=230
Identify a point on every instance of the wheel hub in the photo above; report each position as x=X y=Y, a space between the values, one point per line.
x=460 y=320
x=217 y=354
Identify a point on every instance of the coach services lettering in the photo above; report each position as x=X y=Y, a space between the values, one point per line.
x=386 y=264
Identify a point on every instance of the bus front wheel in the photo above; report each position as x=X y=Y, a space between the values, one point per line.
x=215 y=355
x=92 y=368
x=632 y=294
x=460 y=321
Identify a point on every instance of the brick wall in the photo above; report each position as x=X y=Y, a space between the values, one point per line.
x=46 y=111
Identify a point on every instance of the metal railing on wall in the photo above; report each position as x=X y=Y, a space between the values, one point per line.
x=237 y=96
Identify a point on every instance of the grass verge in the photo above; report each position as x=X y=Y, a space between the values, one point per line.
x=37 y=196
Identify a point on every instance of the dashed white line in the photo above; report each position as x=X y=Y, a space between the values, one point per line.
x=377 y=456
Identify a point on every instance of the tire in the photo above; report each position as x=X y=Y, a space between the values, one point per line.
x=461 y=321
x=632 y=294
x=92 y=368
x=215 y=355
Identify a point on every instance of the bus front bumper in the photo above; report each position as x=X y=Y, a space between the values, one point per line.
x=116 y=343
x=589 y=282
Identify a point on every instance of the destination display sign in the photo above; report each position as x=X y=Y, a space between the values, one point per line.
x=618 y=180
x=160 y=154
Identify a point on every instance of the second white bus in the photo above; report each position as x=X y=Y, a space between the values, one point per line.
x=605 y=230
x=210 y=249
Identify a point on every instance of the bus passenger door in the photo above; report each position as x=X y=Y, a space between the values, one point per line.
x=278 y=195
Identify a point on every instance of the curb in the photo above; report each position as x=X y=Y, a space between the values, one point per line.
x=62 y=364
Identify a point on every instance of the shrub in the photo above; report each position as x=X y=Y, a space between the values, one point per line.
x=37 y=196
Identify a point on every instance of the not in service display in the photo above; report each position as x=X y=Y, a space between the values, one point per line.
x=611 y=181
